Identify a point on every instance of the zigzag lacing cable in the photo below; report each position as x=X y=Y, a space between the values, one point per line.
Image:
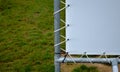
x=63 y=22
x=68 y=55
x=62 y=35
x=61 y=42
x=85 y=54
x=61 y=8
x=104 y=54
x=61 y=29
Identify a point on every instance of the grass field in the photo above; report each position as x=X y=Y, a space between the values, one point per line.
x=26 y=36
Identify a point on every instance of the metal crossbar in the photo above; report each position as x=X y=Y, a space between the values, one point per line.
x=85 y=60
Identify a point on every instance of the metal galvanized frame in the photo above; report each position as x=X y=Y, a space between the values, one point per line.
x=57 y=57
x=57 y=35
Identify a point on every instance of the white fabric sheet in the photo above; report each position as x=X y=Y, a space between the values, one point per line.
x=94 y=27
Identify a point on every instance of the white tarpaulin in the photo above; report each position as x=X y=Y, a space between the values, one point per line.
x=94 y=27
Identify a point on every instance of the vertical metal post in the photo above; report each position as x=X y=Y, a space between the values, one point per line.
x=57 y=35
x=115 y=65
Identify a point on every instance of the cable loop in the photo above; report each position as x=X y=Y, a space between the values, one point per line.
x=104 y=54
x=68 y=55
x=61 y=28
x=61 y=9
x=85 y=53
x=60 y=43
x=65 y=57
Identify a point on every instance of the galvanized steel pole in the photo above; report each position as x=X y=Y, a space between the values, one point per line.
x=57 y=35
x=115 y=65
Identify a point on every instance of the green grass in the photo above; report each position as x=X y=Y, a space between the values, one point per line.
x=26 y=36
x=84 y=68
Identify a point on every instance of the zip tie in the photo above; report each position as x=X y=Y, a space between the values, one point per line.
x=65 y=57
x=62 y=21
x=61 y=9
x=63 y=36
x=61 y=28
x=62 y=2
x=57 y=53
x=68 y=55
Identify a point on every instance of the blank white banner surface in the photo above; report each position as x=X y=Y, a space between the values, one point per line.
x=94 y=27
